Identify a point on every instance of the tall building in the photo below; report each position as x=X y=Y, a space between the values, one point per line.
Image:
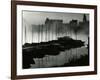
x=84 y=18
x=53 y=28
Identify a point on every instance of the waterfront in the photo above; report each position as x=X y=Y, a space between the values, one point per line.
x=63 y=58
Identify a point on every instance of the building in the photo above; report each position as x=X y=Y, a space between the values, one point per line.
x=52 y=29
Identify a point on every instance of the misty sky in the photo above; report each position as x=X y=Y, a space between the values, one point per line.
x=32 y=17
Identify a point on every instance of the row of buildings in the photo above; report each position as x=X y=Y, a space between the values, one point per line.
x=54 y=28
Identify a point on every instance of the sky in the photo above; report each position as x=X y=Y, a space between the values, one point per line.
x=32 y=17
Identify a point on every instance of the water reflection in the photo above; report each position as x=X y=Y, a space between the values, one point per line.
x=59 y=60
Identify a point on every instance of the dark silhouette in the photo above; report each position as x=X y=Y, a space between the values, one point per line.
x=54 y=47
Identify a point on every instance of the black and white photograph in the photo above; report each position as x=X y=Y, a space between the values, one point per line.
x=54 y=39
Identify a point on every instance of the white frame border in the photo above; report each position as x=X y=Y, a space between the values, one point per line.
x=21 y=71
